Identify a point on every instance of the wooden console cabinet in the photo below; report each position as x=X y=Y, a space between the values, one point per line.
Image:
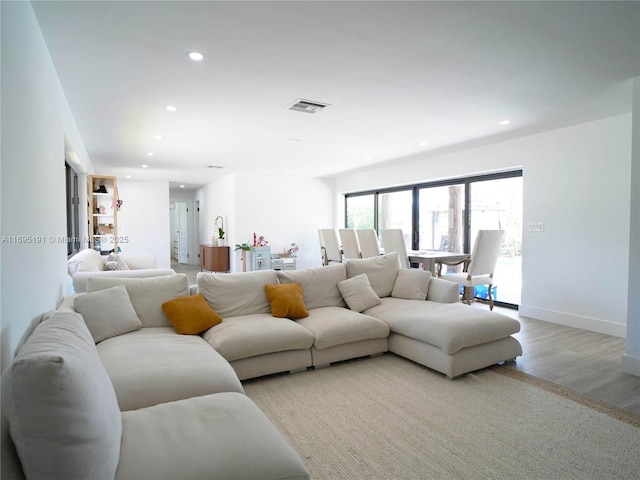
x=214 y=258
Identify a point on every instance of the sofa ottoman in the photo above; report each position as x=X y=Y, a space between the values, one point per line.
x=450 y=338
x=224 y=436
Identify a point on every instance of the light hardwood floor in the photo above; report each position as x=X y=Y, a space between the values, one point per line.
x=584 y=361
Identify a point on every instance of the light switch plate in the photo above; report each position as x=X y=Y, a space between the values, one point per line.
x=535 y=227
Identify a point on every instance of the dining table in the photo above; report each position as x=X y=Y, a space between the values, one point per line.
x=431 y=258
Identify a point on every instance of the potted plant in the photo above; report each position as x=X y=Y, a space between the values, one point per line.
x=219 y=222
x=245 y=248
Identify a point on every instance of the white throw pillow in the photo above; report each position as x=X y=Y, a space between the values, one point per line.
x=412 y=284
x=147 y=294
x=358 y=294
x=107 y=313
x=87 y=260
x=382 y=271
x=61 y=407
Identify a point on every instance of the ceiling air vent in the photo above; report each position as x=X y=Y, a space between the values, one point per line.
x=307 y=106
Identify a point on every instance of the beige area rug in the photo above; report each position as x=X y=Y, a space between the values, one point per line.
x=388 y=418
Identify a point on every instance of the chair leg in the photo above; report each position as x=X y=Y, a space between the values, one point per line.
x=490 y=298
x=466 y=296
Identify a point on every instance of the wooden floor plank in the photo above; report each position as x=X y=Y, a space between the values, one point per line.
x=584 y=361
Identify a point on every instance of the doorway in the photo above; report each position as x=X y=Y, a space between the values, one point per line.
x=179 y=221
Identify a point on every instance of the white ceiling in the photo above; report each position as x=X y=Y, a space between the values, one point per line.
x=401 y=77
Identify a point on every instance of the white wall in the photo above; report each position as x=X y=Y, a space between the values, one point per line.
x=576 y=181
x=35 y=121
x=143 y=220
x=283 y=208
x=631 y=358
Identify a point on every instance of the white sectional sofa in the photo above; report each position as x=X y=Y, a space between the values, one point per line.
x=106 y=387
x=90 y=263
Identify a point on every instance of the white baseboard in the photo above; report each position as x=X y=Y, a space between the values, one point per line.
x=576 y=321
x=631 y=364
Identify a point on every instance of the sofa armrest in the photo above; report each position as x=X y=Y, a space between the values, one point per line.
x=443 y=291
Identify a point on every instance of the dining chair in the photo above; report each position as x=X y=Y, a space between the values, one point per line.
x=329 y=246
x=350 y=244
x=482 y=265
x=369 y=245
x=393 y=241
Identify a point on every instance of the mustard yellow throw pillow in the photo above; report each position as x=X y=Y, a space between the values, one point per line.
x=287 y=300
x=190 y=315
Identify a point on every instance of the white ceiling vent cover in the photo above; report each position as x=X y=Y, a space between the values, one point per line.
x=307 y=106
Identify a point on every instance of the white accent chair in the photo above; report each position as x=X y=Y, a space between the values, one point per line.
x=350 y=244
x=482 y=265
x=369 y=245
x=393 y=241
x=330 y=246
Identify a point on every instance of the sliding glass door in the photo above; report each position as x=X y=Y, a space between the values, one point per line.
x=497 y=204
x=395 y=211
x=446 y=216
x=440 y=225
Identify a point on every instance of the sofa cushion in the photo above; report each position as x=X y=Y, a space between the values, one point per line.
x=287 y=300
x=61 y=408
x=87 y=260
x=449 y=326
x=147 y=294
x=256 y=334
x=412 y=284
x=107 y=313
x=382 y=271
x=358 y=294
x=190 y=315
x=319 y=284
x=223 y=436
x=333 y=326
x=156 y=365
x=236 y=294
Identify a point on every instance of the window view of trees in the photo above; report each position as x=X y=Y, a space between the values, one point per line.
x=361 y=211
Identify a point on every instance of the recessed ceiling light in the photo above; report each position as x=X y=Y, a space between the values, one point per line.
x=369 y=159
x=145 y=166
x=158 y=137
x=171 y=108
x=127 y=176
x=195 y=56
x=504 y=122
x=181 y=186
x=149 y=154
x=422 y=144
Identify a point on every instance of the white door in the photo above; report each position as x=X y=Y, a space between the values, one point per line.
x=183 y=232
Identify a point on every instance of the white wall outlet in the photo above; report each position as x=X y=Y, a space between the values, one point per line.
x=535 y=227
